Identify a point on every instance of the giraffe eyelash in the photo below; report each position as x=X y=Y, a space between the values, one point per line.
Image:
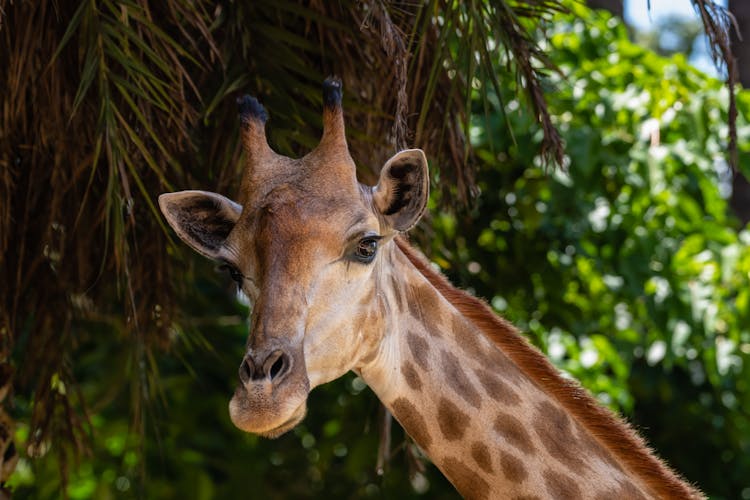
x=234 y=273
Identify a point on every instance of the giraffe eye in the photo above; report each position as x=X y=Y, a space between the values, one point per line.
x=236 y=276
x=366 y=249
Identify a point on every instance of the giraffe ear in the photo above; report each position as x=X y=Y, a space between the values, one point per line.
x=403 y=188
x=201 y=219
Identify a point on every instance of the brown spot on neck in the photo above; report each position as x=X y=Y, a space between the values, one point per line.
x=562 y=487
x=496 y=388
x=419 y=349
x=411 y=376
x=554 y=429
x=467 y=482
x=481 y=455
x=510 y=428
x=452 y=421
x=458 y=380
x=513 y=468
x=412 y=421
x=425 y=306
x=471 y=340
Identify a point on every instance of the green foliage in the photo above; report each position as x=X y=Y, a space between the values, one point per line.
x=626 y=268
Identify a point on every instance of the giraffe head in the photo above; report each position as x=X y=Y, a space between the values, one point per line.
x=306 y=244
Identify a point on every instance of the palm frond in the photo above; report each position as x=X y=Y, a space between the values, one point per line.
x=95 y=116
x=718 y=24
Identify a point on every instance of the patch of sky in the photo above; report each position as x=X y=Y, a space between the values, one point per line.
x=642 y=16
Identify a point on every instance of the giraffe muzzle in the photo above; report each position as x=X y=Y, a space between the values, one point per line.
x=271 y=397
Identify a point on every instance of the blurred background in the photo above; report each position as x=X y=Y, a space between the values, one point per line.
x=589 y=166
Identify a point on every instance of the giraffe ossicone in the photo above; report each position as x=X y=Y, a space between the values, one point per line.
x=335 y=288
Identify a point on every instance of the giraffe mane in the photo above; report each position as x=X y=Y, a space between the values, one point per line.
x=613 y=433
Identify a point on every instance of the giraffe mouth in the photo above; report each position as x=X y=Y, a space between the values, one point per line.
x=260 y=411
x=289 y=424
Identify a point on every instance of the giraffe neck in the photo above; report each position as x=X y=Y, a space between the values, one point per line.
x=482 y=417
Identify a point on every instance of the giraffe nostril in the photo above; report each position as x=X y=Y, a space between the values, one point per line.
x=276 y=365
x=246 y=370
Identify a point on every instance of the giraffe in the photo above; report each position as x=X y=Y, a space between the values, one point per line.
x=335 y=287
